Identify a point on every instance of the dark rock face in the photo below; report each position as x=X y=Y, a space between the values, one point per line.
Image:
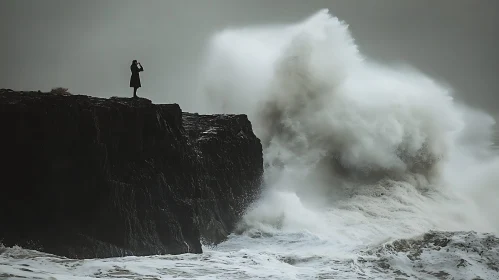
x=88 y=177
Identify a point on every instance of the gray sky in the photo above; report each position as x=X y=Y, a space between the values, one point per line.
x=87 y=45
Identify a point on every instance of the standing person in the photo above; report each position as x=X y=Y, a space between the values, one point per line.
x=136 y=68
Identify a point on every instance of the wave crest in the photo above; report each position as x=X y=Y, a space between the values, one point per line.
x=331 y=121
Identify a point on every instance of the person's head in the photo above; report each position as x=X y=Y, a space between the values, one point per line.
x=134 y=62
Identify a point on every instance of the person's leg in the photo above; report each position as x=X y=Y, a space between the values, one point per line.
x=134 y=92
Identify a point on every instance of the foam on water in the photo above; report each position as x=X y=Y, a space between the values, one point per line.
x=357 y=154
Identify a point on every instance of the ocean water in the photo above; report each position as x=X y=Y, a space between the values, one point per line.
x=358 y=156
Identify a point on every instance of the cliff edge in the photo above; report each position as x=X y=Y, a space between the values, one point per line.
x=86 y=177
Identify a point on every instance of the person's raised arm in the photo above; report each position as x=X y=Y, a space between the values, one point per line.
x=140 y=69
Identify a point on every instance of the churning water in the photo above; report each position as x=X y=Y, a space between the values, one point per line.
x=357 y=155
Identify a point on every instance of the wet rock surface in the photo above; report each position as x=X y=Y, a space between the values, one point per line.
x=87 y=177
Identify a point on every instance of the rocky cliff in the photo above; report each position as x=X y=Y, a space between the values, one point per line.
x=88 y=177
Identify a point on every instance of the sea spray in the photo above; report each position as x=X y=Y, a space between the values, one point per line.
x=347 y=138
x=358 y=155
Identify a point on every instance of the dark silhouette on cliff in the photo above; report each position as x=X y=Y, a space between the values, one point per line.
x=135 y=83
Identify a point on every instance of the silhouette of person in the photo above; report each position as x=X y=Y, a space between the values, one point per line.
x=136 y=68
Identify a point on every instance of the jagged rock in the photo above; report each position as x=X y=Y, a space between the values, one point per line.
x=88 y=177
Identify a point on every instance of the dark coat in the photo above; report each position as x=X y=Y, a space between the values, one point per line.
x=135 y=78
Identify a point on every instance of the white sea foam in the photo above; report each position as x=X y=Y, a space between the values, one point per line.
x=357 y=154
x=334 y=124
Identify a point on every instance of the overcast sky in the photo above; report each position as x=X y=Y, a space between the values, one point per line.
x=87 y=45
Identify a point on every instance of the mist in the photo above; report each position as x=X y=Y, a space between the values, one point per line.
x=88 y=46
